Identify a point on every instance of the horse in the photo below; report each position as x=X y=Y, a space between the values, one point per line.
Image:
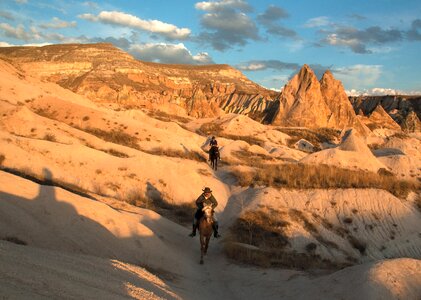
x=214 y=156
x=205 y=230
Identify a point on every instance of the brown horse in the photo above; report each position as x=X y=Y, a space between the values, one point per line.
x=205 y=230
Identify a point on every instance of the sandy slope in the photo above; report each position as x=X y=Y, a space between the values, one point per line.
x=43 y=133
x=37 y=214
x=32 y=273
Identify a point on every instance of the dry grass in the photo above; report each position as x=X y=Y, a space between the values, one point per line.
x=191 y=155
x=314 y=136
x=208 y=129
x=110 y=151
x=14 y=240
x=264 y=229
x=163 y=116
x=252 y=159
x=50 y=137
x=162 y=204
x=302 y=176
x=116 y=153
x=114 y=136
x=417 y=199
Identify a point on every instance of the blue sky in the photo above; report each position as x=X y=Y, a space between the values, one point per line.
x=372 y=46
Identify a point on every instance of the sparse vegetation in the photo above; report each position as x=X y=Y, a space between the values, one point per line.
x=357 y=244
x=50 y=137
x=315 y=136
x=192 y=155
x=114 y=136
x=14 y=240
x=348 y=220
x=216 y=129
x=163 y=116
x=417 y=197
x=116 y=153
x=258 y=237
x=110 y=151
x=303 y=176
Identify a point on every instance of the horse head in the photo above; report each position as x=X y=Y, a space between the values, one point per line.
x=208 y=211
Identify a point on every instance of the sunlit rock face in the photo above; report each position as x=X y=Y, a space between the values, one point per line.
x=107 y=74
x=306 y=102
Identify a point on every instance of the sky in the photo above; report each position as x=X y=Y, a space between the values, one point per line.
x=372 y=46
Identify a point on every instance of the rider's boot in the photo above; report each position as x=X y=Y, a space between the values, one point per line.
x=215 y=230
x=193 y=233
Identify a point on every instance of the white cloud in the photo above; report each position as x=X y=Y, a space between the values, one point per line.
x=169 y=53
x=91 y=4
x=153 y=26
x=223 y=5
x=19 y=32
x=353 y=43
x=380 y=92
x=56 y=23
x=317 y=22
x=253 y=67
x=226 y=24
x=4 y=44
x=358 y=76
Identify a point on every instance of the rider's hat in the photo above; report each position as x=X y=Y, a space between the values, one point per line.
x=207 y=190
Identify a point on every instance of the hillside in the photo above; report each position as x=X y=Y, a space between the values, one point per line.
x=108 y=189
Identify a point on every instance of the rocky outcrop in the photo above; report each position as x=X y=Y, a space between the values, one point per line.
x=301 y=102
x=305 y=101
x=397 y=106
x=411 y=123
x=333 y=92
x=379 y=118
x=106 y=74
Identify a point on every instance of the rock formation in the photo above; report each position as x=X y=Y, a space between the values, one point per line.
x=301 y=102
x=379 y=118
x=411 y=123
x=333 y=92
x=397 y=106
x=106 y=74
x=307 y=102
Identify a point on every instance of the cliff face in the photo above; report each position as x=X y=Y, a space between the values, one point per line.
x=405 y=110
x=104 y=73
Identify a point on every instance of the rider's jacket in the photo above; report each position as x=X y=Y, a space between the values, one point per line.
x=202 y=200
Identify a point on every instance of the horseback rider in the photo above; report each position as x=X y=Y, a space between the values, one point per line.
x=205 y=198
x=213 y=142
x=213 y=148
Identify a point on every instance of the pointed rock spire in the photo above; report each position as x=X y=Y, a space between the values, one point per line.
x=381 y=119
x=301 y=102
x=333 y=92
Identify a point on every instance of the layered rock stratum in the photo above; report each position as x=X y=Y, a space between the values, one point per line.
x=107 y=74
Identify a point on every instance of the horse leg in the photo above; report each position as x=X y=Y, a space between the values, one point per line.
x=201 y=250
x=216 y=163
x=207 y=244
